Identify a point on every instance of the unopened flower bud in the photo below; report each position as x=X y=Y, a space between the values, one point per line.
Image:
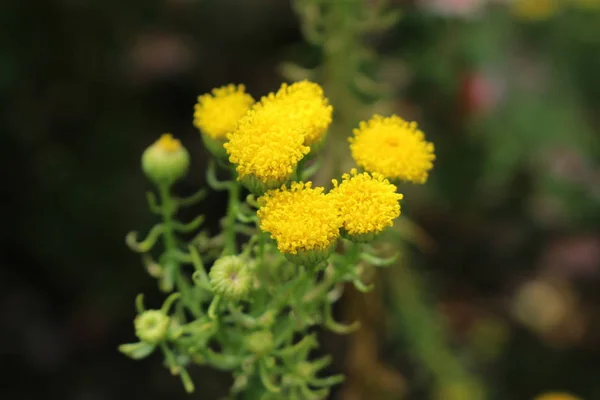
x=260 y=343
x=231 y=277
x=152 y=326
x=166 y=160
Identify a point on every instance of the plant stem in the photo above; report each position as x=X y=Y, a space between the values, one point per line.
x=422 y=327
x=171 y=264
x=232 y=207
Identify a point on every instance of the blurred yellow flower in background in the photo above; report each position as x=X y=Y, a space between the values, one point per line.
x=534 y=10
x=587 y=4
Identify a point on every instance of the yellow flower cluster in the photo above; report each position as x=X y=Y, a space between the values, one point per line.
x=266 y=140
x=303 y=220
x=216 y=114
x=393 y=148
x=274 y=135
x=368 y=204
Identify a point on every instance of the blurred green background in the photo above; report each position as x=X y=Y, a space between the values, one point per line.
x=503 y=242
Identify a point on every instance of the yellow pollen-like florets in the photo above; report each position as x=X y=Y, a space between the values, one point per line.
x=392 y=147
x=368 y=203
x=308 y=108
x=216 y=114
x=300 y=218
x=266 y=146
x=168 y=143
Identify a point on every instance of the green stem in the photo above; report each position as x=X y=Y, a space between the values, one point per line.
x=232 y=209
x=170 y=243
x=425 y=335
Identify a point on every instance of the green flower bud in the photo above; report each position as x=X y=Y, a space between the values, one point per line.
x=310 y=257
x=165 y=161
x=231 y=277
x=258 y=187
x=360 y=237
x=260 y=343
x=152 y=326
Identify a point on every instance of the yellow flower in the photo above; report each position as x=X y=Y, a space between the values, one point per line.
x=556 y=396
x=368 y=204
x=303 y=220
x=534 y=10
x=266 y=146
x=392 y=147
x=216 y=114
x=307 y=108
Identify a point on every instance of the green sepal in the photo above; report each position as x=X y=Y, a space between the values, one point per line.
x=146 y=244
x=336 y=327
x=138 y=350
x=378 y=261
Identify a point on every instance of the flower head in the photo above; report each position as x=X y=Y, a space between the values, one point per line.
x=303 y=220
x=392 y=147
x=166 y=160
x=231 y=277
x=368 y=204
x=307 y=108
x=217 y=113
x=152 y=326
x=266 y=146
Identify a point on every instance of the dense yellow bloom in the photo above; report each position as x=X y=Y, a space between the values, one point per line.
x=216 y=114
x=556 y=396
x=393 y=148
x=302 y=220
x=308 y=108
x=368 y=204
x=266 y=146
x=534 y=10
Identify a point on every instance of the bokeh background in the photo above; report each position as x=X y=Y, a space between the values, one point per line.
x=500 y=289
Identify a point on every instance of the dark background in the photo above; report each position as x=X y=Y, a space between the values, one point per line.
x=511 y=211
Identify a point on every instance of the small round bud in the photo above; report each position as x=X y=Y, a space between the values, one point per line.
x=230 y=277
x=152 y=326
x=260 y=343
x=166 y=160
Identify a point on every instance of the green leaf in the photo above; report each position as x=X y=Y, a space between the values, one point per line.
x=137 y=351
